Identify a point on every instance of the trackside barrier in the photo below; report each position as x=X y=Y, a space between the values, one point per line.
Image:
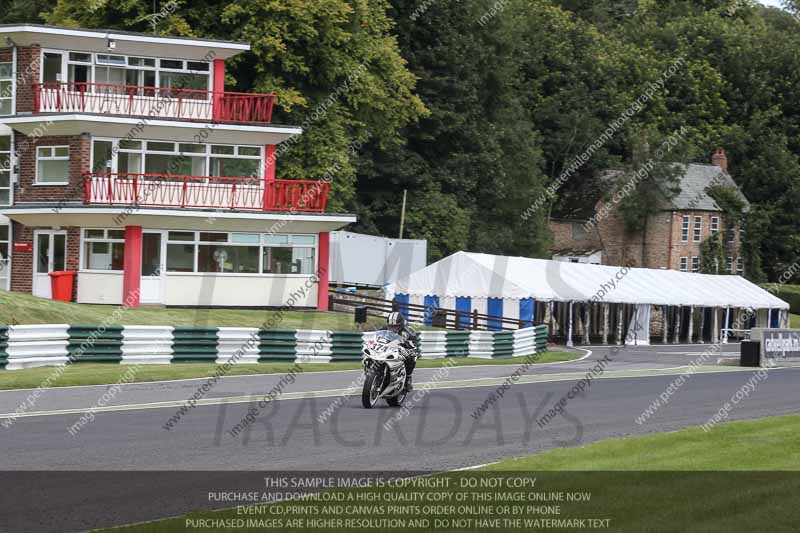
x=3 y=346
x=58 y=344
x=237 y=345
x=147 y=345
x=433 y=344
x=38 y=345
x=194 y=345
x=97 y=344
x=277 y=345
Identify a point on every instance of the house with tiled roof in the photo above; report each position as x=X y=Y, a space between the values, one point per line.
x=673 y=235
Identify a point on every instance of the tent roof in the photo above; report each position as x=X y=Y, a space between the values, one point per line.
x=494 y=276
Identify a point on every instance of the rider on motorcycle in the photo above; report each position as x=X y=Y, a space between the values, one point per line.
x=396 y=323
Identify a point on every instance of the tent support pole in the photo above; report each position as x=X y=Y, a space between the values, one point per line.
x=605 y=324
x=678 y=317
x=690 y=333
x=702 y=325
x=569 y=327
x=727 y=324
x=664 y=324
x=715 y=325
x=588 y=325
x=552 y=321
x=619 y=323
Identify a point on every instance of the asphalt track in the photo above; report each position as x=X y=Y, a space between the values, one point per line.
x=437 y=434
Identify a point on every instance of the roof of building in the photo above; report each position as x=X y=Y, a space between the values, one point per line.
x=695 y=182
x=576 y=252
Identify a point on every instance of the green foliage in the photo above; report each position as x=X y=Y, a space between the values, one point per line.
x=713 y=257
x=729 y=201
x=788 y=293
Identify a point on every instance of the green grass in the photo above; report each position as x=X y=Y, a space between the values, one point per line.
x=100 y=373
x=652 y=483
x=763 y=444
x=794 y=321
x=20 y=308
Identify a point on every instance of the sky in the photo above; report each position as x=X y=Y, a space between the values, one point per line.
x=774 y=3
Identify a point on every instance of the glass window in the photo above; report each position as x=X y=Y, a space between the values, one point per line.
x=80 y=57
x=6 y=88
x=245 y=238
x=52 y=164
x=276 y=239
x=279 y=260
x=160 y=146
x=130 y=145
x=684 y=264
x=5 y=172
x=103 y=249
x=102 y=153
x=192 y=148
x=181 y=236
x=197 y=65
x=110 y=60
x=222 y=149
x=227 y=259
x=235 y=168
x=698 y=226
x=250 y=151
x=213 y=237
x=180 y=257
x=171 y=63
x=695 y=264
x=685 y=229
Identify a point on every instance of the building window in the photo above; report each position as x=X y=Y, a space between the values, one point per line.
x=52 y=165
x=240 y=253
x=684 y=264
x=5 y=170
x=103 y=249
x=695 y=264
x=714 y=225
x=185 y=159
x=685 y=229
x=730 y=232
x=698 y=228
x=739 y=266
x=6 y=88
x=730 y=265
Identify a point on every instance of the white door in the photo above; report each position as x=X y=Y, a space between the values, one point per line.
x=5 y=258
x=154 y=255
x=50 y=255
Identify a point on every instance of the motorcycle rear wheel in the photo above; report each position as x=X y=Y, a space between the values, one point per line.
x=372 y=388
x=397 y=401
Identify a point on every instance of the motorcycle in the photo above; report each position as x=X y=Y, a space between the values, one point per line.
x=385 y=370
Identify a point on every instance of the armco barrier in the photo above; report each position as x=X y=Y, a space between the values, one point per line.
x=98 y=344
x=147 y=345
x=237 y=345
x=277 y=345
x=3 y=346
x=39 y=345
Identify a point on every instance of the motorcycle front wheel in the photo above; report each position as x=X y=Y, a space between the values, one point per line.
x=373 y=385
x=397 y=401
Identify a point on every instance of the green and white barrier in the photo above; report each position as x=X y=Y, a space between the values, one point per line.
x=57 y=344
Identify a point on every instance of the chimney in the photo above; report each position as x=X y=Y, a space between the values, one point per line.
x=720 y=159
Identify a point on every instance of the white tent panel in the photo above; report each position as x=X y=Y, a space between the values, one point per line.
x=491 y=276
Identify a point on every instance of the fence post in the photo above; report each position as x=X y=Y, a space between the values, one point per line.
x=475 y=319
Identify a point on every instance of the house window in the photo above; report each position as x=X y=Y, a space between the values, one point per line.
x=730 y=232
x=739 y=266
x=103 y=249
x=6 y=88
x=240 y=253
x=730 y=264
x=698 y=228
x=184 y=159
x=52 y=165
x=5 y=170
x=685 y=229
x=714 y=225
x=684 y=264
x=695 y=264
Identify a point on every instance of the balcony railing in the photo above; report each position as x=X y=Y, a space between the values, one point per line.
x=154 y=102
x=171 y=190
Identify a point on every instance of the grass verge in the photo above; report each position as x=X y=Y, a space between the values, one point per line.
x=653 y=483
x=101 y=374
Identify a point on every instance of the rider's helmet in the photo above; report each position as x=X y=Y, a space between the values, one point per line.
x=395 y=322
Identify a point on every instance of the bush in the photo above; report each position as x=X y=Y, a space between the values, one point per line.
x=789 y=293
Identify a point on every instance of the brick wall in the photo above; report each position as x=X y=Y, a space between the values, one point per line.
x=22 y=261
x=692 y=249
x=79 y=154
x=569 y=234
x=28 y=73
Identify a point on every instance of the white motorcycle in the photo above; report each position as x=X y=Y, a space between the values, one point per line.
x=385 y=369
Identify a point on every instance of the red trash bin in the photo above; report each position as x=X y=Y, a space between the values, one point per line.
x=61 y=284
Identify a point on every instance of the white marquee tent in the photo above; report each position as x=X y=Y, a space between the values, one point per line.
x=481 y=277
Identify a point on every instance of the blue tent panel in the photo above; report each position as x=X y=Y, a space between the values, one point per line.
x=526 y=312
x=495 y=308
x=431 y=304
x=775 y=318
x=464 y=305
x=402 y=301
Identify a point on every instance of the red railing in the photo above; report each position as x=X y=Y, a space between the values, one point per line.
x=172 y=190
x=154 y=102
